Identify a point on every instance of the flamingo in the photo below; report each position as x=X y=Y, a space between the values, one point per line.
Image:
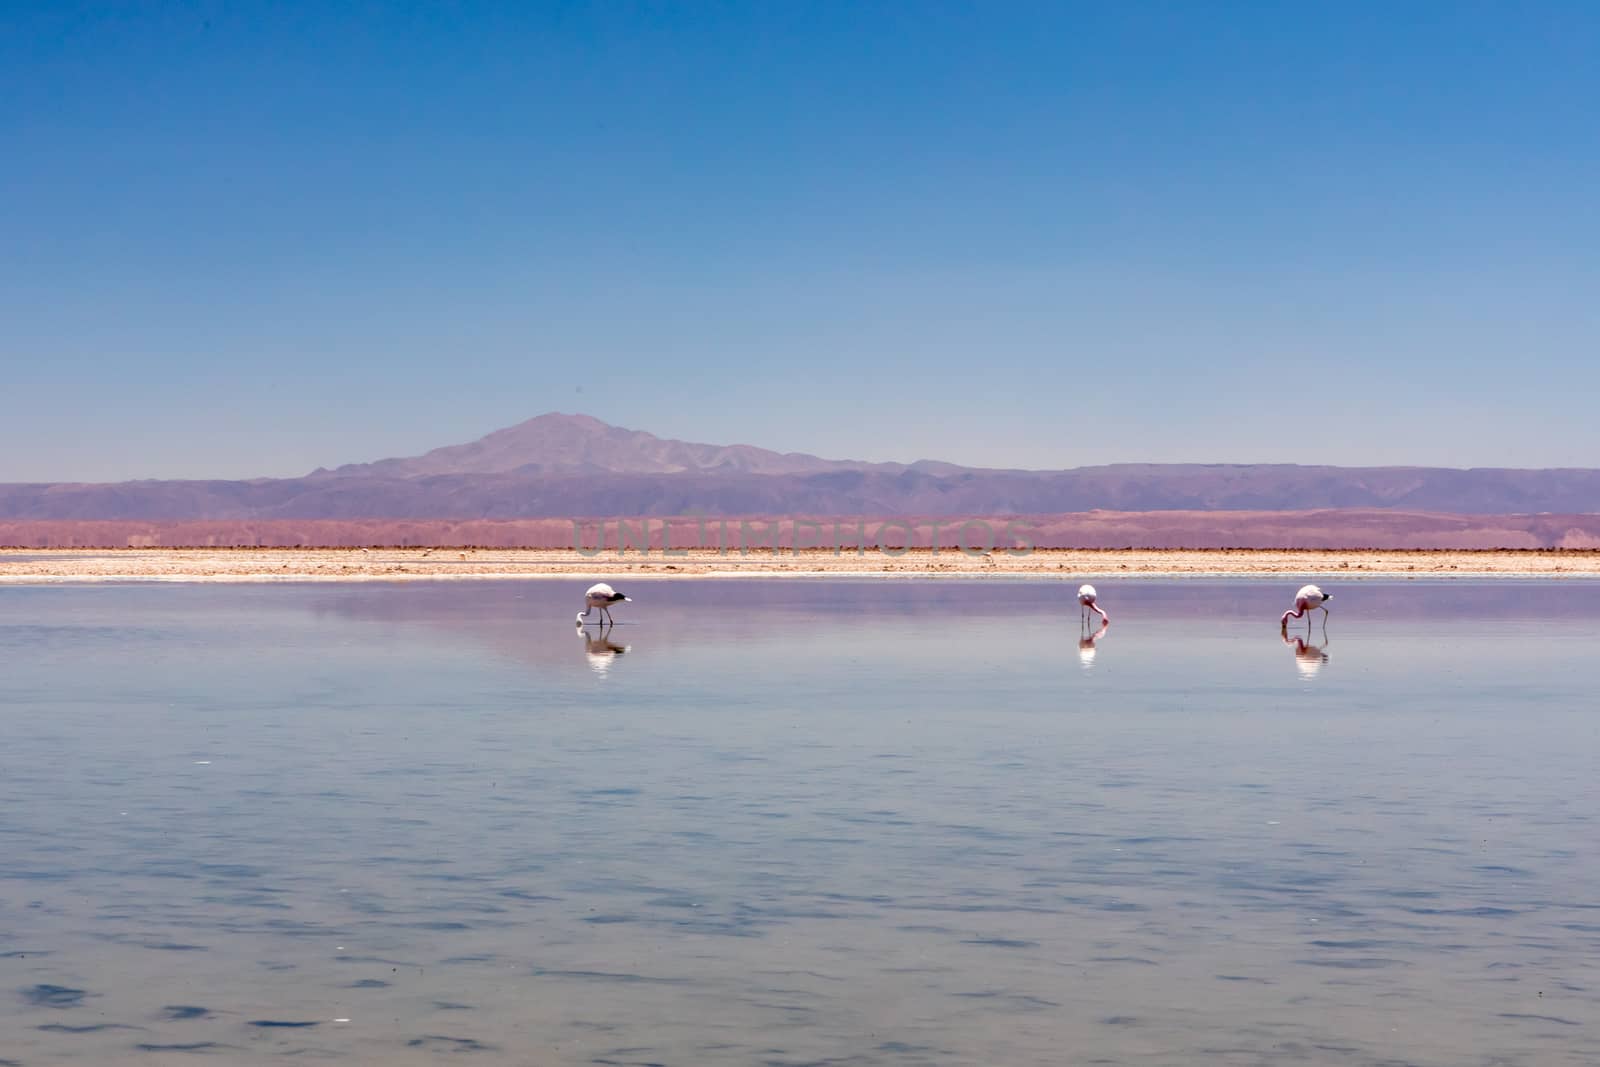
x=1086 y=598
x=1307 y=600
x=602 y=596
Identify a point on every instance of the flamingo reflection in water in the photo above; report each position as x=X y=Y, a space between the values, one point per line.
x=600 y=650
x=1308 y=658
x=1086 y=644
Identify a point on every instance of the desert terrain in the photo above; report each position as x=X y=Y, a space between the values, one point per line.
x=1068 y=565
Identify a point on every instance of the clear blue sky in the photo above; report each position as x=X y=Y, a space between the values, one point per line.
x=252 y=239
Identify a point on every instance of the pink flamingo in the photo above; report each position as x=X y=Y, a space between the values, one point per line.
x=1086 y=598
x=602 y=596
x=1307 y=600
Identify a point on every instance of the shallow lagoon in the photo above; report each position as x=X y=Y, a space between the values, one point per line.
x=795 y=822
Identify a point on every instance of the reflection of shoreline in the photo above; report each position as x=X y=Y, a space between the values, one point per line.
x=1063 y=565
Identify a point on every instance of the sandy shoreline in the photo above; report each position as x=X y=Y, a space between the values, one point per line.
x=48 y=566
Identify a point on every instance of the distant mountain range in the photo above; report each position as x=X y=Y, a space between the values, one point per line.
x=559 y=466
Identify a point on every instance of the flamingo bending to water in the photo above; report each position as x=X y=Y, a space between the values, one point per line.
x=1086 y=598
x=1307 y=600
x=602 y=596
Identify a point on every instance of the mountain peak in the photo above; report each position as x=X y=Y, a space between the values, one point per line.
x=557 y=443
x=575 y=421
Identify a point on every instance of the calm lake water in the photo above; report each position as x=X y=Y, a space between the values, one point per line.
x=799 y=822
